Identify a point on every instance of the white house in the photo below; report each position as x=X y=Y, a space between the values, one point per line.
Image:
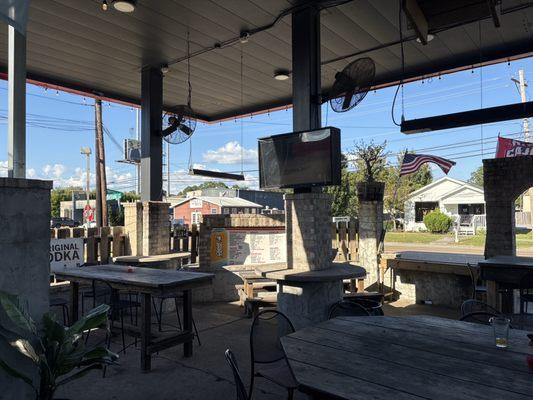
x=460 y=200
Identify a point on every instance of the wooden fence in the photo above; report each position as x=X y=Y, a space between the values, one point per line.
x=102 y=244
x=345 y=238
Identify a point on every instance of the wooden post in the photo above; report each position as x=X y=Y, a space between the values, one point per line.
x=53 y=233
x=194 y=241
x=334 y=243
x=105 y=231
x=92 y=246
x=63 y=233
x=352 y=240
x=78 y=232
x=185 y=242
x=117 y=241
x=342 y=238
x=101 y=183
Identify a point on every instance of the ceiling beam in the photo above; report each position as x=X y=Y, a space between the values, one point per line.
x=417 y=18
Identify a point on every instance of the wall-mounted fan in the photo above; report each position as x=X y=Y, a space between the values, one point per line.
x=352 y=84
x=179 y=126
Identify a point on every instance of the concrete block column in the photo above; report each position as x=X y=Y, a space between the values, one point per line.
x=133 y=228
x=308 y=224
x=370 y=227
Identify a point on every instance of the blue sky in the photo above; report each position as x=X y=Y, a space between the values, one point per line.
x=60 y=123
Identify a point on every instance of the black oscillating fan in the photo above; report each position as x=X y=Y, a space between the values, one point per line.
x=179 y=126
x=352 y=84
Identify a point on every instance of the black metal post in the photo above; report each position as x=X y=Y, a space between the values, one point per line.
x=151 y=142
x=306 y=68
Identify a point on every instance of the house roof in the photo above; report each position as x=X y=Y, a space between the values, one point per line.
x=223 y=201
x=73 y=44
x=441 y=181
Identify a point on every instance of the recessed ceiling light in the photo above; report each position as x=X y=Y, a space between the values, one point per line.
x=281 y=75
x=430 y=37
x=125 y=6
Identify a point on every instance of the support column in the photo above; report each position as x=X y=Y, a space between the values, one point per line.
x=306 y=68
x=16 y=131
x=151 y=142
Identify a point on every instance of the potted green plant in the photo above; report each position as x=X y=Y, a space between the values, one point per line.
x=370 y=159
x=59 y=353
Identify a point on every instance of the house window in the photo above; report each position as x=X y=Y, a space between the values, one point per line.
x=234 y=210
x=471 y=209
x=424 y=207
x=246 y=210
x=213 y=211
x=254 y=210
x=196 y=218
x=225 y=211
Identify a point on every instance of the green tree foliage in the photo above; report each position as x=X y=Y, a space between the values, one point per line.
x=205 y=185
x=476 y=177
x=344 y=202
x=369 y=159
x=128 y=197
x=437 y=222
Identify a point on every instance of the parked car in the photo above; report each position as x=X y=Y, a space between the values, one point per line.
x=89 y=224
x=58 y=222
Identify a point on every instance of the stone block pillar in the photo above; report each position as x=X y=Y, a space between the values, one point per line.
x=25 y=267
x=308 y=224
x=370 y=228
x=147 y=227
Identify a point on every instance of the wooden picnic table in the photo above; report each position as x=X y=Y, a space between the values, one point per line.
x=503 y=271
x=147 y=282
x=153 y=260
x=410 y=357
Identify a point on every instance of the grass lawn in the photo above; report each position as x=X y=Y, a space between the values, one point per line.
x=414 y=237
x=523 y=239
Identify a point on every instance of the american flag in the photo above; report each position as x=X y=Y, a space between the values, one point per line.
x=412 y=163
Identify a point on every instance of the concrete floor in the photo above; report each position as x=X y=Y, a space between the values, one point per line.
x=204 y=376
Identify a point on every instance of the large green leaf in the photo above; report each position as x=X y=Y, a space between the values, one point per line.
x=25 y=348
x=11 y=306
x=93 y=319
x=79 y=374
x=16 y=374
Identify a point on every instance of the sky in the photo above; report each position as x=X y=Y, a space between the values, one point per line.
x=60 y=123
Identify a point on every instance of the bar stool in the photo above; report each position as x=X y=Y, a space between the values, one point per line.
x=159 y=314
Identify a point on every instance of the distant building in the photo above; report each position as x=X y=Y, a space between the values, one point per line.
x=65 y=209
x=269 y=200
x=462 y=201
x=190 y=210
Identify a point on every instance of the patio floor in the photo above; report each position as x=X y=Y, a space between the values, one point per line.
x=206 y=375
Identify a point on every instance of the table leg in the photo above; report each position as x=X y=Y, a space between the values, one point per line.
x=187 y=321
x=493 y=295
x=146 y=331
x=74 y=299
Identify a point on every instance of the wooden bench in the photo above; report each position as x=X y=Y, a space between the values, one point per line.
x=252 y=306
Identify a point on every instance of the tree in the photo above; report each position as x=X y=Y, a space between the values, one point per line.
x=205 y=185
x=476 y=177
x=344 y=199
x=369 y=159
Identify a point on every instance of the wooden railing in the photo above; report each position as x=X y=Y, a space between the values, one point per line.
x=345 y=238
x=182 y=239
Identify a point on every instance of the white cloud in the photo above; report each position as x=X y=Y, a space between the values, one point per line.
x=230 y=153
x=53 y=171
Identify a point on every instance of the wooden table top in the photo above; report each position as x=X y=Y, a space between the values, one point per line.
x=507 y=261
x=151 y=259
x=150 y=279
x=409 y=358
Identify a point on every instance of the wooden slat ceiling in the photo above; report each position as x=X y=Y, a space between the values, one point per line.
x=73 y=43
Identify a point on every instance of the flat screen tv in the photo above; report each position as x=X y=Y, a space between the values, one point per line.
x=300 y=159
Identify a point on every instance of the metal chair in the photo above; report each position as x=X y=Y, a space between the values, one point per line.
x=63 y=303
x=266 y=350
x=239 y=383
x=479 y=317
x=476 y=287
x=526 y=292
x=159 y=314
x=96 y=291
x=472 y=305
x=347 y=309
x=373 y=307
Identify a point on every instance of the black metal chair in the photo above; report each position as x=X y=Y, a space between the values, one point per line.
x=526 y=292
x=472 y=305
x=268 y=327
x=373 y=307
x=477 y=287
x=63 y=303
x=239 y=383
x=479 y=317
x=159 y=313
x=97 y=291
x=346 y=308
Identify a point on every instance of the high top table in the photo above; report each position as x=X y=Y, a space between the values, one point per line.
x=415 y=357
x=506 y=271
x=148 y=282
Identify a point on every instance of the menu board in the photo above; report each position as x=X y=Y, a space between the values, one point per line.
x=256 y=247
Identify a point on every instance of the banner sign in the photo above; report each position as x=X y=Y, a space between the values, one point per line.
x=66 y=252
x=513 y=148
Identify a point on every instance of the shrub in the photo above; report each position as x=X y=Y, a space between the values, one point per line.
x=437 y=222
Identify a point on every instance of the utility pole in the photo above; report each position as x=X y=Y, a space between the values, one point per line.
x=87 y=152
x=101 y=182
x=137 y=136
x=168 y=170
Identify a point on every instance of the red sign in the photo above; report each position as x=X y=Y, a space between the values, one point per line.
x=88 y=213
x=513 y=148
